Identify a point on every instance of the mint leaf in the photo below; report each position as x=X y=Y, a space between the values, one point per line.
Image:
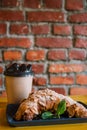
x=47 y=115
x=61 y=108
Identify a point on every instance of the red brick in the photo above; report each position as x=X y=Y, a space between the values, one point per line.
x=9 y=15
x=39 y=81
x=62 y=29
x=59 y=90
x=78 y=91
x=0 y=81
x=74 y=4
x=81 y=43
x=67 y=68
x=12 y=55
x=61 y=80
x=38 y=68
x=15 y=42
x=81 y=79
x=2 y=28
x=53 y=4
x=47 y=16
x=77 y=54
x=32 y=3
x=40 y=29
x=10 y=3
x=80 y=30
x=54 y=42
x=19 y=29
x=0 y=59
x=1 y=69
x=35 y=55
x=57 y=55
x=78 y=18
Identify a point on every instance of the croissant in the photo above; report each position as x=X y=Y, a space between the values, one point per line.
x=44 y=100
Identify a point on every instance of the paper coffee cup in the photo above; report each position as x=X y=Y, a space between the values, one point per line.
x=18 y=82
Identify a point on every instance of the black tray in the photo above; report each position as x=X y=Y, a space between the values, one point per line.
x=12 y=108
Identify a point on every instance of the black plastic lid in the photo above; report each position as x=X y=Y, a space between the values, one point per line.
x=18 y=70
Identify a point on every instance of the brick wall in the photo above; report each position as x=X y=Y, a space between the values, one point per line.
x=52 y=36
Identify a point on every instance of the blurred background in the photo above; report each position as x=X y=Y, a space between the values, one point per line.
x=52 y=36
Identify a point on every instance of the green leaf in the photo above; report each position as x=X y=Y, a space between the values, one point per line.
x=47 y=115
x=61 y=108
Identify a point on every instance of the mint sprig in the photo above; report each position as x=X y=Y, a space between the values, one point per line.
x=47 y=115
x=61 y=108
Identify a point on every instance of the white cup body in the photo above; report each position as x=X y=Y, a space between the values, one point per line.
x=18 y=88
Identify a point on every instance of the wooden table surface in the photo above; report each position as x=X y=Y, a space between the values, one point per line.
x=5 y=126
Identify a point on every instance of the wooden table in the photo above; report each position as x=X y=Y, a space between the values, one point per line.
x=4 y=125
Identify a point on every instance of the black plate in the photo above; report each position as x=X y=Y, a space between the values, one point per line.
x=12 y=108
